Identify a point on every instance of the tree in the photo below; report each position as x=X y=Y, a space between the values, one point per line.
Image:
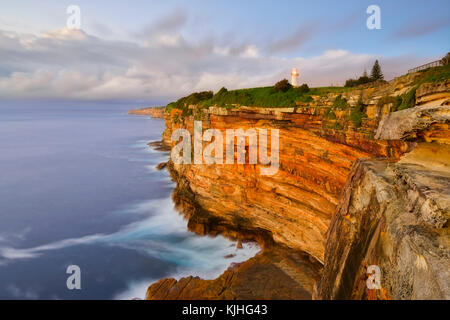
x=303 y=88
x=221 y=92
x=376 y=73
x=350 y=83
x=282 y=86
x=446 y=60
x=363 y=79
x=356 y=82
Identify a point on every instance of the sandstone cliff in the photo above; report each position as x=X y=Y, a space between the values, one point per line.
x=395 y=216
x=275 y=274
x=321 y=183
x=154 y=112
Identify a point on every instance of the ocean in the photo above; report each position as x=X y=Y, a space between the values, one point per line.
x=78 y=186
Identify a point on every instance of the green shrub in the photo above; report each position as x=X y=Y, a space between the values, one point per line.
x=329 y=114
x=340 y=103
x=303 y=88
x=335 y=126
x=282 y=86
x=356 y=82
x=408 y=99
x=221 y=92
x=405 y=101
x=170 y=106
x=304 y=98
x=357 y=114
x=396 y=102
x=192 y=99
x=259 y=97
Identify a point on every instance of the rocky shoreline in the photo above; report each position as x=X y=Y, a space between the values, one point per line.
x=345 y=197
x=154 y=112
x=277 y=272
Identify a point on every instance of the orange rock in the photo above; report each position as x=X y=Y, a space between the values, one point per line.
x=296 y=204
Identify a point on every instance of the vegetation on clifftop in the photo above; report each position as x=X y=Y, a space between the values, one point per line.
x=375 y=75
x=283 y=95
x=434 y=74
x=279 y=96
x=408 y=99
x=358 y=113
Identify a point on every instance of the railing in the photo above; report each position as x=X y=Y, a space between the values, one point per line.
x=426 y=66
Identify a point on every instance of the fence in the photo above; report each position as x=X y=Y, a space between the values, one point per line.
x=426 y=66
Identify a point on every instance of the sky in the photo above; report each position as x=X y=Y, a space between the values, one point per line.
x=153 y=52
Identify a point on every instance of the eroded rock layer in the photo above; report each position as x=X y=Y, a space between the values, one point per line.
x=395 y=216
x=294 y=205
x=275 y=274
x=343 y=212
x=154 y=112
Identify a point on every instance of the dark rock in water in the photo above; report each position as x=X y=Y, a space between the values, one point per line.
x=161 y=166
x=229 y=256
x=239 y=245
x=158 y=146
x=276 y=273
x=154 y=144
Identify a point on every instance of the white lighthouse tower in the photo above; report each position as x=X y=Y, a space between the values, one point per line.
x=294 y=75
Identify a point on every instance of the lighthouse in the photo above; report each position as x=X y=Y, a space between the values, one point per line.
x=294 y=75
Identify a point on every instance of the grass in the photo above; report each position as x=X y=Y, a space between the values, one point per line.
x=408 y=99
x=264 y=97
x=434 y=74
x=261 y=97
x=267 y=97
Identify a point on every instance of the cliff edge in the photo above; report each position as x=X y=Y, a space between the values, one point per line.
x=362 y=180
x=395 y=216
x=154 y=112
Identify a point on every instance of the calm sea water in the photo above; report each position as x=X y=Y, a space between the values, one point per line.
x=78 y=186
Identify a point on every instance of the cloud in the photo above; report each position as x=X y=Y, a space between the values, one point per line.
x=420 y=27
x=168 y=24
x=160 y=66
x=347 y=21
x=294 y=40
x=19 y=293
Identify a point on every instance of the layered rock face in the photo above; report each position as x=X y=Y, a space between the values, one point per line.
x=395 y=216
x=294 y=205
x=154 y=112
x=344 y=212
x=275 y=274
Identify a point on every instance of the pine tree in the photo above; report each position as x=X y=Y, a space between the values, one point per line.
x=376 y=73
